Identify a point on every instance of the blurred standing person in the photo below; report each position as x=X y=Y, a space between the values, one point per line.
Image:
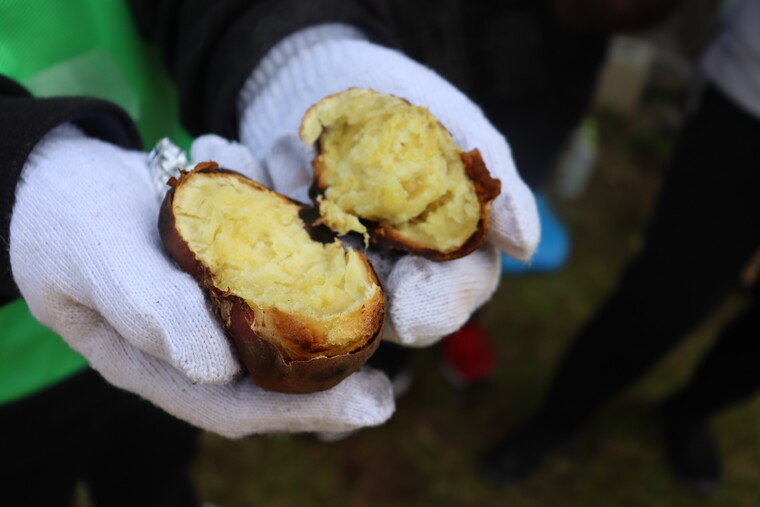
x=704 y=230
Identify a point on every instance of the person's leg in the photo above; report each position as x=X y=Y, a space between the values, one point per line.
x=138 y=454
x=727 y=375
x=701 y=234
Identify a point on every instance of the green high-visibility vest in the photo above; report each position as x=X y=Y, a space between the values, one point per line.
x=63 y=48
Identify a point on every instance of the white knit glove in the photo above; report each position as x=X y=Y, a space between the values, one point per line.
x=86 y=255
x=427 y=300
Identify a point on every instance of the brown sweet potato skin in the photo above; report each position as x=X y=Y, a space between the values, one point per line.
x=266 y=363
x=301 y=367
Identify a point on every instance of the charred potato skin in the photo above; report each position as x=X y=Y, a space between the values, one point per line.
x=487 y=189
x=269 y=367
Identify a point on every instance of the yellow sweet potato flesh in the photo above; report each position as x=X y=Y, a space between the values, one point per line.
x=256 y=246
x=387 y=161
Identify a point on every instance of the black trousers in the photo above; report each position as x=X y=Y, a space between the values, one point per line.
x=126 y=451
x=703 y=231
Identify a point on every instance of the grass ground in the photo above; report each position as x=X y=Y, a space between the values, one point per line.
x=426 y=455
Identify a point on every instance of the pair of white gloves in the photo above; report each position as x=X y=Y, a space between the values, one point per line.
x=86 y=254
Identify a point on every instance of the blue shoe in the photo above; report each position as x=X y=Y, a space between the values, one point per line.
x=553 y=248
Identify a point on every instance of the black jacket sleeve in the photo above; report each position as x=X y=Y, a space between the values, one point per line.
x=211 y=47
x=24 y=120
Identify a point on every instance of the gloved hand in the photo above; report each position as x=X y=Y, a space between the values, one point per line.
x=427 y=300
x=86 y=255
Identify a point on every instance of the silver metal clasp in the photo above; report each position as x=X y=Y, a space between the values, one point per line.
x=165 y=161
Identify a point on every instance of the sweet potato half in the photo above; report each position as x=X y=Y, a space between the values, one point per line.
x=302 y=314
x=389 y=170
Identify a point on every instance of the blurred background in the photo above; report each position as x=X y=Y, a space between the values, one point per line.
x=598 y=190
x=593 y=146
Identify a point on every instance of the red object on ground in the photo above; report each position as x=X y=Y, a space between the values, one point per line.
x=468 y=355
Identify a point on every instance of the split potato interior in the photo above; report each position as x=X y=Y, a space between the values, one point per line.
x=383 y=160
x=256 y=247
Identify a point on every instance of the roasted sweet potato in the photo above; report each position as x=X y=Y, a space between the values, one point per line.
x=389 y=170
x=302 y=314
